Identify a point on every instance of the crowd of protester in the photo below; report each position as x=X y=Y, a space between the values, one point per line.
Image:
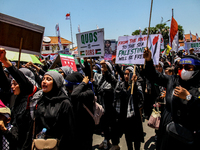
x=102 y=97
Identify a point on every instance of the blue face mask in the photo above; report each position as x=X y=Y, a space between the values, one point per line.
x=95 y=71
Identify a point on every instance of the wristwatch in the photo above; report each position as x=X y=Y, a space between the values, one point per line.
x=188 y=97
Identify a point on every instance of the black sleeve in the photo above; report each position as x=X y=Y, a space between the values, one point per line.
x=110 y=79
x=42 y=72
x=11 y=135
x=82 y=94
x=25 y=85
x=153 y=76
x=5 y=82
x=120 y=72
x=87 y=70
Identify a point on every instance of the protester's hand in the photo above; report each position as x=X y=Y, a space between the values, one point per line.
x=103 y=65
x=90 y=61
x=134 y=78
x=98 y=112
x=85 y=79
x=85 y=59
x=147 y=54
x=2 y=126
x=78 y=58
x=181 y=92
x=91 y=80
x=2 y=54
x=113 y=61
x=163 y=94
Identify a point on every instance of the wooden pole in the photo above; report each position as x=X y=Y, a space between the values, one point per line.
x=149 y=28
x=133 y=82
x=20 y=49
x=91 y=67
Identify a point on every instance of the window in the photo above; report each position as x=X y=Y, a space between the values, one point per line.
x=46 y=47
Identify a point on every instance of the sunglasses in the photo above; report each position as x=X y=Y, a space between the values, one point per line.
x=186 y=67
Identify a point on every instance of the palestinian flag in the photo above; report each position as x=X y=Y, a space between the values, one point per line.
x=98 y=51
x=82 y=53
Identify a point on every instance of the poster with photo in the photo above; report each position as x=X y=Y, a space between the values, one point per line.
x=109 y=49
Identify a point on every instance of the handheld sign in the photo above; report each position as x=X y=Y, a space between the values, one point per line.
x=130 y=48
x=91 y=43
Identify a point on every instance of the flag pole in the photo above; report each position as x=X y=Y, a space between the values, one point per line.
x=172 y=41
x=71 y=30
x=148 y=28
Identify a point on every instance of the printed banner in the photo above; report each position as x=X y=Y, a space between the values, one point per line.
x=91 y=43
x=195 y=45
x=130 y=48
x=109 y=49
x=68 y=60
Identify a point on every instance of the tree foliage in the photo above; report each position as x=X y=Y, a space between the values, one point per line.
x=161 y=28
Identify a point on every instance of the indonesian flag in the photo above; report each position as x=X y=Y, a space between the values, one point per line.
x=190 y=36
x=174 y=35
x=58 y=34
x=67 y=16
x=79 y=29
x=140 y=34
x=197 y=38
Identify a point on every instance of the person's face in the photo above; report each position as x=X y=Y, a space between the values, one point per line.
x=61 y=72
x=126 y=75
x=159 y=68
x=47 y=84
x=167 y=72
x=15 y=87
x=107 y=44
x=186 y=67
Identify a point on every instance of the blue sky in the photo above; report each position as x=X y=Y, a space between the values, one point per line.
x=117 y=17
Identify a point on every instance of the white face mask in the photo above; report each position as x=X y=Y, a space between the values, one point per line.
x=186 y=75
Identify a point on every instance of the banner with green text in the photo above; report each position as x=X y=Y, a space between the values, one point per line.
x=91 y=43
x=130 y=48
x=195 y=45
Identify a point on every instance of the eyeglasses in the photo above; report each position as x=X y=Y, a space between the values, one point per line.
x=186 y=67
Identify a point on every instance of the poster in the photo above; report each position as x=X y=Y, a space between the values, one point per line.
x=109 y=49
x=195 y=45
x=68 y=60
x=91 y=43
x=130 y=48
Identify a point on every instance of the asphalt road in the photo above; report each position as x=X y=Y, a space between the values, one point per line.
x=149 y=143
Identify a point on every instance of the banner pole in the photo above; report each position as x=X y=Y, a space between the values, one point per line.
x=20 y=49
x=148 y=29
x=133 y=82
x=91 y=67
x=71 y=30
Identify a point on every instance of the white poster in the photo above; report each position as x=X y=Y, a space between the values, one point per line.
x=109 y=49
x=130 y=48
x=91 y=43
x=195 y=45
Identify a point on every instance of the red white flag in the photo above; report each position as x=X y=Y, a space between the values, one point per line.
x=58 y=34
x=190 y=36
x=197 y=38
x=174 y=35
x=79 y=30
x=67 y=16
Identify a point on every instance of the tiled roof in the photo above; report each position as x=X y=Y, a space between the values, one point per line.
x=187 y=37
x=54 y=40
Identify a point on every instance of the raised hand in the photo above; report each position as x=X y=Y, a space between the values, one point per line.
x=147 y=54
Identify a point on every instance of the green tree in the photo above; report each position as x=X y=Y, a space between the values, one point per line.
x=161 y=28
